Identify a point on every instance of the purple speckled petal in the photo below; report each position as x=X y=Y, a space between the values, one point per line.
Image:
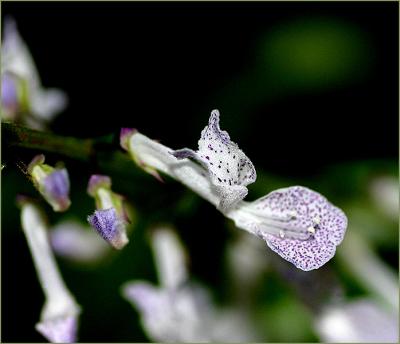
x=56 y=188
x=110 y=226
x=309 y=210
x=59 y=330
x=229 y=168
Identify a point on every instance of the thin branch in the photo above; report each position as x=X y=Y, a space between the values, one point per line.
x=17 y=136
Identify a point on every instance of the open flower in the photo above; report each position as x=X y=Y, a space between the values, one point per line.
x=52 y=183
x=177 y=310
x=110 y=219
x=59 y=317
x=230 y=170
x=297 y=223
x=23 y=98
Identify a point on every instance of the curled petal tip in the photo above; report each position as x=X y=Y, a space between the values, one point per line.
x=229 y=169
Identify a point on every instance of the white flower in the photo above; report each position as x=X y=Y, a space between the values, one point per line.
x=59 y=317
x=23 y=99
x=76 y=242
x=177 y=310
x=299 y=224
x=361 y=321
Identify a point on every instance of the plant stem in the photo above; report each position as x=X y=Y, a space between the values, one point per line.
x=18 y=136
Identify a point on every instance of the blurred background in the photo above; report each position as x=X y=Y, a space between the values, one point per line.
x=308 y=90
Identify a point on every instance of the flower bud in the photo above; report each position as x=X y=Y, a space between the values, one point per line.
x=110 y=219
x=125 y=142
x=52 y=183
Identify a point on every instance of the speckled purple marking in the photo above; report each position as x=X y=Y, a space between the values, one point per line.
x=106 y=223
x=329 y=231
x=238 y=171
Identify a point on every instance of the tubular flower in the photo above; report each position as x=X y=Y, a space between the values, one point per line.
x=59 y=317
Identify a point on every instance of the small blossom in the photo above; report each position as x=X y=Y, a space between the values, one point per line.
x=229 y=168
x=297 y=223
x=71 y=240
x=110 y=218
x=59 y=317
x=23 y=98
x=360 y=321
x=52 y=183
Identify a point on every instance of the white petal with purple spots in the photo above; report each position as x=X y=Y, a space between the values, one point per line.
x=297 y=223
x=229 y=168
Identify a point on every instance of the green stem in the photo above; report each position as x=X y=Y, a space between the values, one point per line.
x=18 y=136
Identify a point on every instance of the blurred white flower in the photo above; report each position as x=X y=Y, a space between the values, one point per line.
x=23 y=99
x=59 y=317
x=247 y=261
x=385 y=194
x=361 y=321
x=179 y=311
x=74 y=241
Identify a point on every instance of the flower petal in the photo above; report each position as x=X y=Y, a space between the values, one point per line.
x=229 y=168
x=56 y=189
x=110 y=226
x=311 y=226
